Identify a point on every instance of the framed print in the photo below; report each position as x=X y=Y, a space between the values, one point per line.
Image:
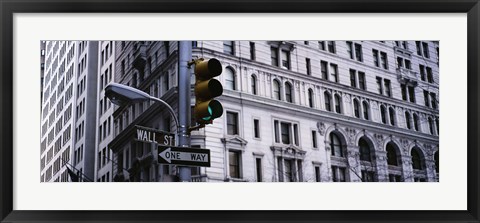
x=202 y=111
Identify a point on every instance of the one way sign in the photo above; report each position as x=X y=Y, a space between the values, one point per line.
x=184 y=156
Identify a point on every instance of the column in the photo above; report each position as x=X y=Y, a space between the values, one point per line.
x=407 y=168
x=354 y=167
x=382 y=166
x=431 y=173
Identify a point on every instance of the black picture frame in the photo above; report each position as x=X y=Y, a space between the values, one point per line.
x=10 y=7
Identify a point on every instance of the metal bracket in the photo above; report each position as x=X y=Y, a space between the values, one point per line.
x=196 y=127
x=194 y=61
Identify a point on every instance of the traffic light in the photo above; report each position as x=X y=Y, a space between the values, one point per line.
x=206 y=89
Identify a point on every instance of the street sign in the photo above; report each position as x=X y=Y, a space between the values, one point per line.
x=184 y=156
x=145 y=134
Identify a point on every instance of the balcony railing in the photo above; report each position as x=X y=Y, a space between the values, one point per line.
x=199 y=178
x=407 y=76
x=139 y=55
x=402 y=51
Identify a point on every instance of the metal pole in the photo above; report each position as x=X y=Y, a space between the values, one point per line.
x=185 y=54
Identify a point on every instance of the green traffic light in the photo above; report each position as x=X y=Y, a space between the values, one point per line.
x=210 y=114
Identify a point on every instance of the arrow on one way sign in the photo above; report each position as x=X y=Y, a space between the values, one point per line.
x=184 y=156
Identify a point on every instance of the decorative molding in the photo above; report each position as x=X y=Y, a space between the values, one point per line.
x=321 y=128
x=351 y=135
x=378 y=140
x=234 y=140
x=346 y=98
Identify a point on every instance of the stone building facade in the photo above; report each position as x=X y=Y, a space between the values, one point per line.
x=293 y=111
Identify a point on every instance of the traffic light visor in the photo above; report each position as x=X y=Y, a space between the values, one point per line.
x=209 y=89
x=208 y=69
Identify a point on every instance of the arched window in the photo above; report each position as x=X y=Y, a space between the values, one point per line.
x=365 y=110
x=254 y=84
x=430 y=125
x=417 y=160
x=391 y=155
x=383 y=112
x=356 y=108
x=415 y=122
x=438 y=126
x=364 y=150
x=408 y=119
x=288 y=92
x=328 y=101
x=276 y=90
x=310 y=98
x=391 y=111
x=338 y=101
x=336 y=146
x=229 y=79
x=437 y=162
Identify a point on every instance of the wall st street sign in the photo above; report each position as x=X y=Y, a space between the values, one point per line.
x=184 y=156
x=145 y=134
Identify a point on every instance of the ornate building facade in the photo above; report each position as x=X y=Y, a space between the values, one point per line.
x=293 y=111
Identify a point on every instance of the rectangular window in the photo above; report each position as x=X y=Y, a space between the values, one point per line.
x=324 y=69
x=399 y=62
x=331 y=47
x=289 y=171
x=361 y=80
x=308 y=66
x=350 y=49
x=408 y=64
x=383 y=59
x=256 y=128
x=295 y=134
x=429 y=75
x=422 y=72
x=367 y=176
x=317 y=174
x=387 y=88
x=232 y=123
x=375 y=58
x=228 y=47
x=285 y=132
x=258 y=162
x=379 y=85
x=334 y=72
x=285 y=59
x=404 y=92
x=358 y=52
x=167 y=47
x=433 y=100
x=274 y=56
x=353 y=79
x=419 y=48
x=252 y=51
x=234 y=163
x=321 y=45
x=277 y=132
x=314 y=139
x=411 y=93
x=426 y=98
x=426 y=52
x=338 y=174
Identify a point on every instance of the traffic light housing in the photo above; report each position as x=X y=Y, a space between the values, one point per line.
x=206 y=89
